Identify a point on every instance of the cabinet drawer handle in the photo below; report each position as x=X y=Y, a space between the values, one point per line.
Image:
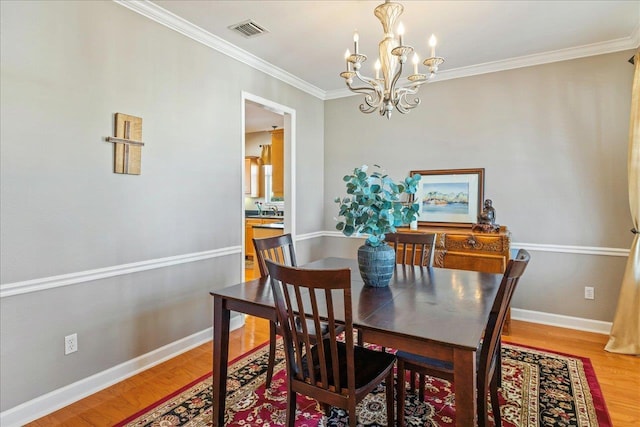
x=472 y=242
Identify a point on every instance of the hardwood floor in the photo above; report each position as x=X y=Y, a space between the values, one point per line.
x=618 y=375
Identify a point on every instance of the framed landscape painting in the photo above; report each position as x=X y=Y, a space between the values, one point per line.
x=449 y=197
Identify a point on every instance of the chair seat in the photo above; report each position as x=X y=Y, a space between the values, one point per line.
x=370 y=363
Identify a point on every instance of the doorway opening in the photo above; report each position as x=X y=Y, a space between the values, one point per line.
x=268 y=147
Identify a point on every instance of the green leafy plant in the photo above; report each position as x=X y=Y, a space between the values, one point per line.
x=373 y=204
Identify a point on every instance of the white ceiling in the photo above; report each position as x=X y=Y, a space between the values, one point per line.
x=306 y=40
x=260 y=119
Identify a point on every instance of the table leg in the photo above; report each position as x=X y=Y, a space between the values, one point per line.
x=465 y=380
x=220 y=359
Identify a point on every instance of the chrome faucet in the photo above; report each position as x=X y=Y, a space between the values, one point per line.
x=274 y=209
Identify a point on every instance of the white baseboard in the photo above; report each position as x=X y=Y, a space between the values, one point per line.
x=52 y=401
x=562 y=321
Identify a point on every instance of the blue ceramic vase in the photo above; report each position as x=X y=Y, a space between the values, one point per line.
x=376 y=264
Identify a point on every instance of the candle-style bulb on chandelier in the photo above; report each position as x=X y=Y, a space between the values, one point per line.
x=387 y=91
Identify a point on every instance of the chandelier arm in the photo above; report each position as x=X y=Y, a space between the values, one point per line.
x=373 y=94
x=366 y=110
x=372 y=102
x=361 y=89
x=403 y=104
x=406 y=90
x=405 y=108
x=375 y=85
x=372 y=99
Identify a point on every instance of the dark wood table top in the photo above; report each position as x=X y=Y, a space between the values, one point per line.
x=431 y=304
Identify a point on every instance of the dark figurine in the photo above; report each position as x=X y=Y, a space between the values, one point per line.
x=488 y=214
x=487 y=219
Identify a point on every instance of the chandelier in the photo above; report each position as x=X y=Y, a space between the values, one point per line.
x=389 y=92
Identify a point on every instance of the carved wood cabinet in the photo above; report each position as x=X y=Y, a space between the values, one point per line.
x=463 y=249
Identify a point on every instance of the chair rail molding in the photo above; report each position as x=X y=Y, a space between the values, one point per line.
x=567 y=249
x=35 y=285
x=41 y=284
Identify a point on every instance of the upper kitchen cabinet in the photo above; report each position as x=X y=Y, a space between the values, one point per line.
x=277 y=162
x=252 y=176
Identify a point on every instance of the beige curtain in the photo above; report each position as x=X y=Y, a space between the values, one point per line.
x=625 y=332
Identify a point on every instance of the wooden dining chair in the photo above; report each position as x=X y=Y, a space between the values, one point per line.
x=488 y=358
x=335 y=372
x=280 y=249
x=413 y=248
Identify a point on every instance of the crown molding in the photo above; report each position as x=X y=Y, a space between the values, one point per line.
x=602 y=48
x=635 y=37
x=186 y=28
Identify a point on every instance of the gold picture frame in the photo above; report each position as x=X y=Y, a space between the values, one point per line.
x=449 y=197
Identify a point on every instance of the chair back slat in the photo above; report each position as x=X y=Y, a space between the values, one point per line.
x=296 y=337
x=279 y=249
x=313 y=296
x=332 y=343
x=416 y=248
x=498 y=315
x=300 y=335
x=324 y=378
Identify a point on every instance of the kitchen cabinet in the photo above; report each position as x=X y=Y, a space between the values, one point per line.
x=249 y=250
x=277 y=162
x=261 y=233
x=251 y=176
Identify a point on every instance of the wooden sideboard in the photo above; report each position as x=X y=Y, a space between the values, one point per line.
x=463 y=249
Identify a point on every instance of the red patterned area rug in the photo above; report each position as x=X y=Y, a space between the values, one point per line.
x=539 y=388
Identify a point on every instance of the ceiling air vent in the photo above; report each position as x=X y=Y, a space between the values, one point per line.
x=249 y=29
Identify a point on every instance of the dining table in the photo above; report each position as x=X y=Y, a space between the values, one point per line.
x=435 y=312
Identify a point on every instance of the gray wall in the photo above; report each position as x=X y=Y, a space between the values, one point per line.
x=67 y=67
x=551 y=138
x=553 y=142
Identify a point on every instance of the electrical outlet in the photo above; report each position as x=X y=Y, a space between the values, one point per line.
x=589 y=292
x=70 y=344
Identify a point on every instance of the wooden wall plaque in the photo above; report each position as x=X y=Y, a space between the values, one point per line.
x=127 y=144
